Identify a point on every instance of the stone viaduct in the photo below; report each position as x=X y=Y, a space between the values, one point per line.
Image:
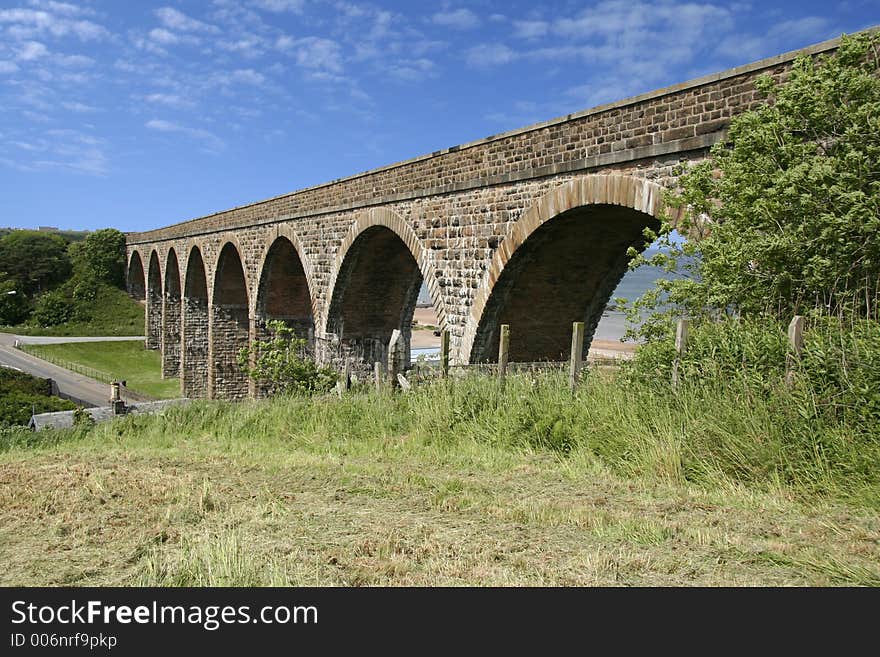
x=528 y=228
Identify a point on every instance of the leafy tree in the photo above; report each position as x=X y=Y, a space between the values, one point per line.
x=33 y=260
x=53 y=308
x=784 y=216
x=100 y=256
x=282 y=363
x=14 y=306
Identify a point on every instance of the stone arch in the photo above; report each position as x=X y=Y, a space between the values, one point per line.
x=374 y=285
x=229 y=326
x=284 y=285
x=154 y=302
x=194 y=351
x=565 y=255
x=135 y=278
x=171 y=309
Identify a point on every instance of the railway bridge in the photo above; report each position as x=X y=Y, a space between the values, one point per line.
x=529 y=228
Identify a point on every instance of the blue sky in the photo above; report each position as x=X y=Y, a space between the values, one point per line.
x=141 y=114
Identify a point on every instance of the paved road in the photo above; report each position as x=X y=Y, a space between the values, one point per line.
x=82 y=388
x=8 y=338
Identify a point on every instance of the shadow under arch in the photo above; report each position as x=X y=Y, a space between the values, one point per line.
x=136 y=280
x=154 y=303
x=171 y=308
x=229 y=326
x=374 y=286
x=284 y=287
x=194 y=344
x=559 y=264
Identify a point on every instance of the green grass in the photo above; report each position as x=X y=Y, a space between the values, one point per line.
x=140 y=368
x=452 y=483
x=113 y=313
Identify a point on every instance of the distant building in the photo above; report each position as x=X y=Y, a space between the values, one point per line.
x=48 y=229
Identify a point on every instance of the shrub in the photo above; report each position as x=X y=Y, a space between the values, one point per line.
x=53 y=308
x=282 y=364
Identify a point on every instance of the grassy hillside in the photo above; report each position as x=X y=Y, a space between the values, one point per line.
x=457 y=483
x=113 y=312
x=140 y=368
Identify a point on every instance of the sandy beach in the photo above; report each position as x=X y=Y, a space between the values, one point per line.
x=424 y=338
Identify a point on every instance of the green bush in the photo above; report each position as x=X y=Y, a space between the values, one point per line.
x=53 y=308
x=282 y=365
x=12 y=381
x=16 y=407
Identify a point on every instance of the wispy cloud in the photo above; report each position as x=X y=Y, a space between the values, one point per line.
x=459 y=19
x=170 y=100
x=81 y=108
x=315 y=53
x=60 y=149
x=31 y=50
x=490 y=54
x=210 y=141
x=278 y=6
x=29 y=23
x=174 y=19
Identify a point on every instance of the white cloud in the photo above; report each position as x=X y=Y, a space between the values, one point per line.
x=62 y=8
x=313 y=53
x=163 y=36
x=70 y=150
x=780 y=36
x=278 y=6
x=170 y=100
x=210 y=141
x=31 y=50
x=74 y=61
x=530 y=29
x=8 y=67
x=412 y=70
x=802 y=29
x=28 y=23
x=248 y=45
x=78 y=107
x=174 y=19
x=247 y=76
x=492 y=54
x=459 y=19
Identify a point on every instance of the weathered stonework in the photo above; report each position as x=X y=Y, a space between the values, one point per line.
x=528 y=228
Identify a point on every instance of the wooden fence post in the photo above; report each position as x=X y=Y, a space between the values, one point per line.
x=796 y=347
x=577 y=349
x=394 y=356
x=681 y=336
x=503 y=349
x=377 y=375
x=444 y=354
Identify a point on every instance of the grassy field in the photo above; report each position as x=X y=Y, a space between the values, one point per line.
x=449 y=484
x=140 y=368
x=113 y=313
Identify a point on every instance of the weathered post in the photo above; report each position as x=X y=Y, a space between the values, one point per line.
x=444 y=354
x=681 y=336
x=577 y=349
x=394 y=356
x=377 y=374
x=796 y=347
x=503 y=349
